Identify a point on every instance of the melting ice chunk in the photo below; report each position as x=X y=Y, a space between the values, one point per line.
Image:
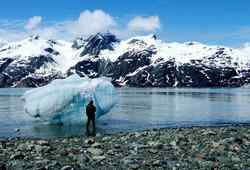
x=65 y=100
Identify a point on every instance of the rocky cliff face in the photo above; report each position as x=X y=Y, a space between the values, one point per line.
x=137 y=62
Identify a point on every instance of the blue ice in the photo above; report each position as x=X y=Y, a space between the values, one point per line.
x=64 y=100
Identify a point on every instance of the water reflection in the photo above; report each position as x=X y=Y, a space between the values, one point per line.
x=139 y=109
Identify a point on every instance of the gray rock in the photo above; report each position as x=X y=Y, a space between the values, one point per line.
x=98 y=158
x=134 y=166
x=67 y=167
x=156 y=163
x=209 y=132
x=236 y=159
x=173 y=143
x=42 y=162
x=25 y=147
x=17 y=130
x=90 y=141
x=16 y=164
x=95 y=151
x=42 y=142
x=137 y=134
x=110 y=152
x=53 y=164
x=98 y=135
x=106 y=138
x=127 y=161
x=117 y=146
x=38 y=148
x=96 y=145
x=17 y=155
x=153 y=151
x=3 y=166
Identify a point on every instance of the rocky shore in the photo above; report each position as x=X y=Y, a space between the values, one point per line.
x=181 y=148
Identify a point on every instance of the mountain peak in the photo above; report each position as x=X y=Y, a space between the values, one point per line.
x=34 y=37
x=97 y=42
x=107 y=37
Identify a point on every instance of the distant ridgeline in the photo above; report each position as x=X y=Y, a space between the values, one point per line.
x=136 y=62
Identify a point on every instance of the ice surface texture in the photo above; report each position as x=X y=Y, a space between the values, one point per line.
x=64 y=100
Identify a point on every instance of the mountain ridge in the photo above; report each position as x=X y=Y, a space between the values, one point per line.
x=143 y=61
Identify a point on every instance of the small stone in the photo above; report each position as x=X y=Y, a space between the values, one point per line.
x=24 y=146
x=96 y=145
x=38 y=148
x=64 y=141
x=106 y=138
x=42 y=142
x=124 y=138
x=153 y=151
x=133 y=152
x=144 y=133
x=228 y=140
x=236 y=159
x=17 y=130
x=42 y=162
x=117 y=146
x=155 y=144
x=98 y=158
x=215 y=144
x=90 y=141
x=76 y=140
x=134 y=166
x=38 y=158
x=30 y=147
x=246 y=142
x=137 y=134
x=95 y=151
x=208 y=132
x=235 y=148
x=3 y=166
x=54 y=163
x=98 y=135
x=173 y=143
x=157 y=163
x=67 y=167
x=17 y=155
x=82 y=159
x=127 y=161
x=110 y=152
x=238 y=140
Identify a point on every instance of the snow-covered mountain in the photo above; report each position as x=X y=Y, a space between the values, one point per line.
x=2 y=43
x=139 y=61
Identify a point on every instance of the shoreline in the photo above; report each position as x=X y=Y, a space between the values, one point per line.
x=163 y=148
x=214 y=125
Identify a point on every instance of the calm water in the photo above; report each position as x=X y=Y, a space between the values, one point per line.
x=138 y=109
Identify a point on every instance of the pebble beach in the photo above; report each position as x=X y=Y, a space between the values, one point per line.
x=176 y=148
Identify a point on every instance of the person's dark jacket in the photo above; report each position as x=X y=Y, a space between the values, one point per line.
x=90 y=110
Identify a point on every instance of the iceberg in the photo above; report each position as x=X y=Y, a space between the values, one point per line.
x=64 y=101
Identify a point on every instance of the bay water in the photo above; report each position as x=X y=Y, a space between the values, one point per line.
x=137 y=109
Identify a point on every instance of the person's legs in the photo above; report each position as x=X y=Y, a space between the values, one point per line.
x=93 y=123
x=87 y=126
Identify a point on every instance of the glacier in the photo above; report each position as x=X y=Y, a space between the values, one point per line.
x=63 y=101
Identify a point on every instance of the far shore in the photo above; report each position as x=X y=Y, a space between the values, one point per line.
x=168 y=148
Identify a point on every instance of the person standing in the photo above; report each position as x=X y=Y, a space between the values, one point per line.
x=90 y=111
